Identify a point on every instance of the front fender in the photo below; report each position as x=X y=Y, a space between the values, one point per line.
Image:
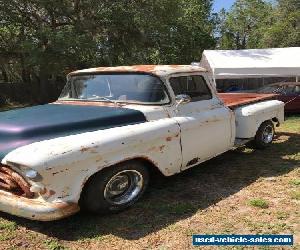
x=66 y=163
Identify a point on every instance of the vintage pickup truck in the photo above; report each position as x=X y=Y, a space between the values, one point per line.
x=94 y=147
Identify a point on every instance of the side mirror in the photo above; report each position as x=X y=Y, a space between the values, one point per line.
x=182 y=99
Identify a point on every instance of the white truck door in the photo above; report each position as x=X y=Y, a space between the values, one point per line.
x=207 y=126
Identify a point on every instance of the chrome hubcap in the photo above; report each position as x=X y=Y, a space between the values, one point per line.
x=268 y=134
x=123 y=187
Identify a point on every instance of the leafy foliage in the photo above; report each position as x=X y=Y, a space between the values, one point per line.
x=42 y=40
x=259 y=24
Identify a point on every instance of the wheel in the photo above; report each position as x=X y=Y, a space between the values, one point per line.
x=115 y=188
x=264 y=135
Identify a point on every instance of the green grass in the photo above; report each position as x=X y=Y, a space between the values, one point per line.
x=8 y=225
x=281 y=215
x=295 y=195
x=295 y=182
x=7 y=229
x=259 y=203
x=53 y=244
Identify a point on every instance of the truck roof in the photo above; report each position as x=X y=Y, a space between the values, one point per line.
x=160 y=70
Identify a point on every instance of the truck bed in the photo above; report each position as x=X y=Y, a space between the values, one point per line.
x=234 y=100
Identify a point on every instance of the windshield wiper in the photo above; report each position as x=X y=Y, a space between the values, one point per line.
x=105 y=99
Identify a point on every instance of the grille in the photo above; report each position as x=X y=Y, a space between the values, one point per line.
x=13 y=182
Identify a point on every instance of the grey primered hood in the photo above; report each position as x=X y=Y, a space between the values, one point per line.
x=24 y=126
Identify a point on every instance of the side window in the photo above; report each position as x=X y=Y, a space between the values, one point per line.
x=286 y=90
x=194 y=86
x=290 y=90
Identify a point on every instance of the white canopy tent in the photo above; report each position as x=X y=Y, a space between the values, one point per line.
x=229 y=64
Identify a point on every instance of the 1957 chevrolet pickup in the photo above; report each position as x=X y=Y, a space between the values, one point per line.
x=93 y=148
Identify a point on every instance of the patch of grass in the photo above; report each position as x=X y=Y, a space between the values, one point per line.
x=295 y=182
x=53 y=244
x=7 y=229
x=295 y=195
x=263 y=227
x=255 y=227
x=257 y=202
x=276 y=228
x=291 y=124
x=7 y=236
x=281 y=215
x=8 y=225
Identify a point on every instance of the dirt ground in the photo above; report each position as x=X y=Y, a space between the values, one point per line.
x=243 y=191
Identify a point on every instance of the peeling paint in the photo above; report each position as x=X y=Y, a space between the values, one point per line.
x=193 y=161
x=160 y=70
x=234 y=100
x=36 y=209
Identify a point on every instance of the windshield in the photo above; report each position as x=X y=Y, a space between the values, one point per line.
x=131 y=88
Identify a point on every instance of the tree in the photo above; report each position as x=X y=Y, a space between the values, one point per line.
x=41 y=40
x=285 y=29
x=259 y=24
x=241 y=27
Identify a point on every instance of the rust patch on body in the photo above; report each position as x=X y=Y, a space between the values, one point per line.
x=193 y=161
x=52 y=192
x=233 y=100
x=83 y=149
x=61 y=171
x=89 y=103
x=144 y=68
x=13 y=182
x=152 y=69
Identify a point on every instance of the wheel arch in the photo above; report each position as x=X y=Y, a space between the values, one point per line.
x=276 y=121
x=151 y=166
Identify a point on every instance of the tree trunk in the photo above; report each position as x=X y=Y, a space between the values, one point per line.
x=43 y=76
x=4 y=75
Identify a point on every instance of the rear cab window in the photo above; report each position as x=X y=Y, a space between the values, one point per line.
x=193 y=85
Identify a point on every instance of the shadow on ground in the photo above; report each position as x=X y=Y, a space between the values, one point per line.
x=175 y=198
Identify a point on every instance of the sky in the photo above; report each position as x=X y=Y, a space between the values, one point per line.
x=219 y=4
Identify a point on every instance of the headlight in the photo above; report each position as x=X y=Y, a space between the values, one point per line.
x=30 y=173
x=26 y=171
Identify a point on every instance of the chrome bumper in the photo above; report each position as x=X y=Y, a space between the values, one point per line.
x=35 y=209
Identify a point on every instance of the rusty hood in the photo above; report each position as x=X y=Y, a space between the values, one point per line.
x=24 y=126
